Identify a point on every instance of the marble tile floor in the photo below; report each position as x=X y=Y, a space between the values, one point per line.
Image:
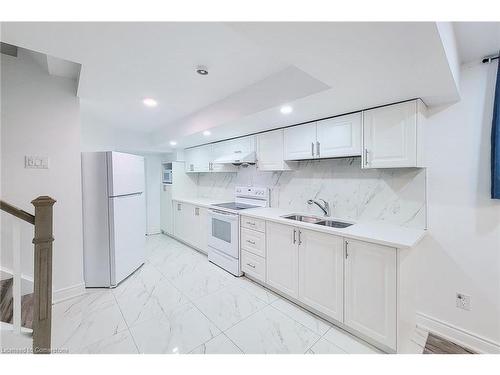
x=178 y=302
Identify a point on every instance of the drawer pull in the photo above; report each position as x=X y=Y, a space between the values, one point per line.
x=250 y=223
x=251 y=265
x=251 y=242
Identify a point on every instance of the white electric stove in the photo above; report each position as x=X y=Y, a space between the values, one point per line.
x=224 y=226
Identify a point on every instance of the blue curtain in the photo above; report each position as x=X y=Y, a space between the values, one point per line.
x=495 y=142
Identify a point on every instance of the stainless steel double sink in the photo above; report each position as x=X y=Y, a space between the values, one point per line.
x=318 y=221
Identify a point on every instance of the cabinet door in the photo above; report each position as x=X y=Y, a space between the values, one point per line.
x=282 y=258
x=321 y=276
x=178 y=219
x=197 y=159
x=370 y=290
x=390 y=136
x=339 y=136
x=300 y=142
x=270 y=151
x=221 y=149
x=201 y=215
x=166 y=212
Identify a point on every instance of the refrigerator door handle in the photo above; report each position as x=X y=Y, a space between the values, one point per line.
x=126 y=195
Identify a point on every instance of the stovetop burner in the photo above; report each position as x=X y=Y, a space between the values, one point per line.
x=235 y=206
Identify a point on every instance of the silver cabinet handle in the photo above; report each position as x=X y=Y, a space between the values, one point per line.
x=251 y=265
x=366 y=156
x=250 y=223
x=294 y=234
x=346 y=251
x=251 y=242
x=238 y=152
x=300 y=237
x=317 y=148
x=191 y=167
x=178 y=206
x=312 y=149
x=197 y=211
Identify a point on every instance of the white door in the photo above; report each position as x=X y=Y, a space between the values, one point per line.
x=127 y=235
x=300 y=142
x=321 y=275
x=370 y=291
x=270 y=151
x=125 y=174
x=339 y=136
x=390 y=136
x=282 y=258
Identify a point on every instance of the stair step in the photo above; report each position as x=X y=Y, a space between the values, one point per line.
x=6 y=305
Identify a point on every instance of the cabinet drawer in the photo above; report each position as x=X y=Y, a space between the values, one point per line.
x=255 y=224
x=253 y=241
x=253 y=265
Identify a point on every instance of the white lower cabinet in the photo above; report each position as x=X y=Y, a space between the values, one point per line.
x=191 y=224
x=367 y=287
x=321 y=272
x=371 y=291
x=282 y=258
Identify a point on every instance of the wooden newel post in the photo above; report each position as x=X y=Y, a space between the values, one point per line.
x=42 y=314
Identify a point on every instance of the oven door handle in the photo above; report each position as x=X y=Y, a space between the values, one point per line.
x=225 y=215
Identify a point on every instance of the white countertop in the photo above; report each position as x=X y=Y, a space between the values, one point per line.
x=376 y=232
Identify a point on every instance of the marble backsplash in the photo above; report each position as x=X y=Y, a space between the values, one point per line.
x=396 y=196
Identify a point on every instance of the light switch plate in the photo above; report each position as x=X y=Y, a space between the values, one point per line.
x=37 y=162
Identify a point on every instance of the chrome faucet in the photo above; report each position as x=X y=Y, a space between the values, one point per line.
x=325 y=207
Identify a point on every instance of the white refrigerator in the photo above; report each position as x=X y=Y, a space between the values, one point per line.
x=114 y=216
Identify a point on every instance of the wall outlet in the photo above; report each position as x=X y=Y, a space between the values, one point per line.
x=463 y=301
x=38 y=162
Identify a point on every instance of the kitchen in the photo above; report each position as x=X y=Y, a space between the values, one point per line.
x=258 y=188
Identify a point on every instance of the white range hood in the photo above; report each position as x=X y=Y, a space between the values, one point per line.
x=237 y=158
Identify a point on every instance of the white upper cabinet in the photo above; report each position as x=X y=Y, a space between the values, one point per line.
x=392 y=135
x=300 y=142
x=331 y=138
x=321 y=272
x=339 y=136
x=270 y=149
x=197 y=159
x=371 y=291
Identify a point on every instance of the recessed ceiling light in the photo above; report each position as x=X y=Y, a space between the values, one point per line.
x=206 y=133
x=286 y=109
x=149 y=102
x=202 y=70
x=173 y=143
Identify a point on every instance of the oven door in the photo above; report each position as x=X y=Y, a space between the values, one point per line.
x=223 y=232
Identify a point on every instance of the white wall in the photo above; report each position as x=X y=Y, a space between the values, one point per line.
x=41 y=116
x=462 y=251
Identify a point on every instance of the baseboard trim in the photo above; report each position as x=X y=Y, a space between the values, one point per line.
x=458 y=335
x=64 y=294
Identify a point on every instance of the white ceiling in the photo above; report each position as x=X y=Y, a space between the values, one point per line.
x=477 y=39
x=321 y=69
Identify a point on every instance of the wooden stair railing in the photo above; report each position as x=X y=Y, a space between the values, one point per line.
x=42 y=280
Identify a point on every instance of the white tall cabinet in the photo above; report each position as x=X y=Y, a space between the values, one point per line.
x=370 y=290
